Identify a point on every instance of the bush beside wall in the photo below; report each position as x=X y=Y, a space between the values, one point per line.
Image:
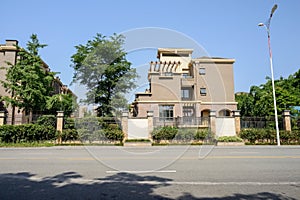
x=180 y=135
x=230 y=139
x=268 y=136
x=26 y=133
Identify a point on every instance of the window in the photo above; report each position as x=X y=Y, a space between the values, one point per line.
x=202 y=71
x=166 y=112
x=185 y=94
x=203 y=91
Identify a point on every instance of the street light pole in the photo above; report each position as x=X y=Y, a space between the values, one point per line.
x=267 y=26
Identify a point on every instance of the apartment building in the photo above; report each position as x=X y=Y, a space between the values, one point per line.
x=9 y=54
x=186 y=88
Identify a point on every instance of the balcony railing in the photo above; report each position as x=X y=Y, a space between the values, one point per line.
x=187 y=81
x=182 y=122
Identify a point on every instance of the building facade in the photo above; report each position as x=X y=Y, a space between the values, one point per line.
x=187 y=89
x=9 y=54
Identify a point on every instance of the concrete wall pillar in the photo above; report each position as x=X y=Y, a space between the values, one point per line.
x=59 y=124
x=287 y=120
x=2 y=117
x=237 y=120
x=124 y=124
x=150 y=123
x=212 y=119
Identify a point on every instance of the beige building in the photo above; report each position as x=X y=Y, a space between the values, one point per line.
x=9 y=54
x=186 y=90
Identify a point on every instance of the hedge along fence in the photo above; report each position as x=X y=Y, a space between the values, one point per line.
x=87 y=129
x=229 y=139
x=183 y=135
x=27 y=133
x=91 y=129
x=110 y=134
x=268 y=136
x=47 y=120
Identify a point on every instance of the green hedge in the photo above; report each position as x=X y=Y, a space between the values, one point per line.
x=69 y=135
x=261 y=136
x=26 y=133
x=91 y=129
x=47 y=120
x=164 y=133
x=103 y=134
x=183 y=134
x=229 y=139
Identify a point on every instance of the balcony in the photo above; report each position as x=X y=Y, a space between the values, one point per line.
x=187 y=81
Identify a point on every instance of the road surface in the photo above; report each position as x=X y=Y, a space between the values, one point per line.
x=172 y=172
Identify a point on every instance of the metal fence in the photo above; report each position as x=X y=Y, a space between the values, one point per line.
x=181 y=121
x=261 y=122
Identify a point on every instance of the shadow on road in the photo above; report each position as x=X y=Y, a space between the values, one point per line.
x=71 y=185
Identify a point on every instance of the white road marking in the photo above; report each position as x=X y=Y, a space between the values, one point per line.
x=242 y=152
x=141 y=171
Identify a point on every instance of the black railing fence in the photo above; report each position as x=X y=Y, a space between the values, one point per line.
x=261 y=122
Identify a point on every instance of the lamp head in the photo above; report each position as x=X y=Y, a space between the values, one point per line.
x=273 y=9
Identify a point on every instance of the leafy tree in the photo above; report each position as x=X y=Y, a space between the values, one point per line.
x=245 y=103
x=259 y=101
x=61 y=102
x=101 y=66
x=28 y=81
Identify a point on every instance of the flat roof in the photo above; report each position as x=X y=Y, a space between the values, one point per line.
x=213 y=60
x=174 y=50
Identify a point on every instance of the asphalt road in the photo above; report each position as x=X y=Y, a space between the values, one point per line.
x=173 y=172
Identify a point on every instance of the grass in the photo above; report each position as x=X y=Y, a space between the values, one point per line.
x=52 y=144
x=27 y=144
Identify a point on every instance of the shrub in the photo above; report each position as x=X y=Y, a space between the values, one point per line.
x=104 y=134
x=26 y=133
x=164 y=133
x=114 y=134
x=69 y=123
x=47 y=120
x=84 y=134
x=229 y=139
x=250 y=135
x=69 y=135
x=268 y=136
x=185 y=134
x=202 y=134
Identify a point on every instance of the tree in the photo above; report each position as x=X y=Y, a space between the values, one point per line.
x=28 y=81
x=245 y=104
x=101 y=66
x=61 y=102
x=259 y=101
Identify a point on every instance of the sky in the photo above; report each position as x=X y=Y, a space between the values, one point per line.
x=221 y=28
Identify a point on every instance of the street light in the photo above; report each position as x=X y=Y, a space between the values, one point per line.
x=267 y=26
